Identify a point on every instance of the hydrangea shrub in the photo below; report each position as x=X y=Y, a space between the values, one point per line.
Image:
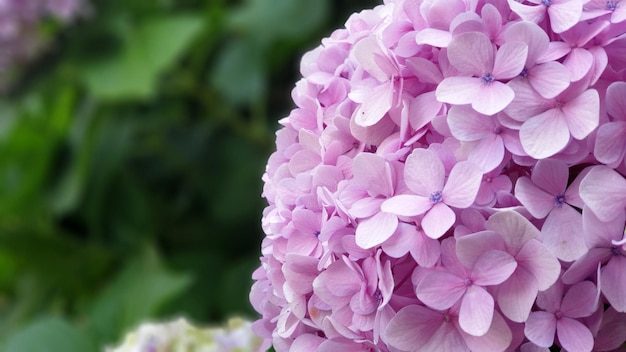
x=452 y=179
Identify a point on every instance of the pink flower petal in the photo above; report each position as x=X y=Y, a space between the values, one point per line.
x=412 y=326
x=515 y=229
x=406 y=205
x=516 y=295
x=462 y=185
x=549 y=79
x=492 y=98
x=440 y=289
x=468 y=125
x=538 y=202
x=476 y=311
x=471 y=247
x=586 y=265
x=610 y=145
x=438 y=220
x=375 y=105
x=582 y=113
x=545 y=134
x=459 y=90
x=604 y=191
x=564 y=14
x=551 y=176
x=540 y=262
x=510 y=60
x=533 y=14
x=578 y=62
x=614 y=282
x=373 y=173
x=375 y=230
x=472 y=53
x=493 y=268
x=531 y=34
x=540 y=328
x=615 y=104
x=562 y=233
x=423 y=109
x=488 y=153
x=580 y=300
x=424 y=172
x=432 y=36
x=573 y=335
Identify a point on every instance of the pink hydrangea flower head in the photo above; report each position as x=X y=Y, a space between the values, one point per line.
x=452 y=178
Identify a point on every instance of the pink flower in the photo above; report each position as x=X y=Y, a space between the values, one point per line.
x=473 y=54
x=563 y=14
x=433 y=194
x=610 y=145
x=559 y=315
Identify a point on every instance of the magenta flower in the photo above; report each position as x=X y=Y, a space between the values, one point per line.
x=433 y=194
x=473 y=54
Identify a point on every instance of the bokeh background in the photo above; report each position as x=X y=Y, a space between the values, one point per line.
x=132 y=144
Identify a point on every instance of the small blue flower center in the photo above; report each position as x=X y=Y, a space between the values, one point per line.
x=611 y=5
x=317 y=233
x=487 y=78
x=615 y=250
x=558 y=315
x=379 y=296
x=559 y=201
x=497 y=130
x=468 y=282
x=446 y=318
x=546 y=2
x=524 y=72
x=436 y=197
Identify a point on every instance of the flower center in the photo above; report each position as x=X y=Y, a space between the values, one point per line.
x=468 y=282
x=615 y=251
x=524 y=72
x=611 y=5
x=559 y=201
x=379 y=296
x=546 y=2
x=435 y=197
x=497 y=130
x=446 y=318
x=558 y=315
x=487 y=78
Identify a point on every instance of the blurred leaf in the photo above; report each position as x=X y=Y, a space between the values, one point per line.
x=50 y=334
x=239 y=74
x=268 y=20
x=148 y=49
x=137 y=293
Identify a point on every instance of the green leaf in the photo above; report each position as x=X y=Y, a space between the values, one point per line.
x=148 y=49
x=50 y=334
x=136 y=294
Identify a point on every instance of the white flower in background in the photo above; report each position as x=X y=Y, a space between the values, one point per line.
x=180 y=336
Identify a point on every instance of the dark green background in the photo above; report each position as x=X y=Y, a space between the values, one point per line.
x=131 y=155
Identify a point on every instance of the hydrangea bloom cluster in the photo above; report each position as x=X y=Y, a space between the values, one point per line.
x=180 y=336
x=19 y=20
x=452 y=179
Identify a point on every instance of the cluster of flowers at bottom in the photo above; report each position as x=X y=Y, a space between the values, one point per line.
x=19 y=26
x=452 y=179
x=180 y=336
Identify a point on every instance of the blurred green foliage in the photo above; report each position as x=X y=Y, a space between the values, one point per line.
x=131 y=154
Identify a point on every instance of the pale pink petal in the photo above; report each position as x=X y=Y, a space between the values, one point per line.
x=516 y=295
x=510 y=60
x=471 y=247
x=300 y=271
x=602 y=233
x=468 y=125
x=527 y=102
x=376 y=104
x=462 y=185
x=427 y=251
x=515 y=229
x=604 y=191
x=540 y=328
x=432 y=36
x=540 y=262
x=423 y=109
x=472 y=53
x=614 y=282
x=580 y=300
x=488 y=153
x=459 y=90
x=476 y=311
x=551 y=176
x=549 y=79
x=403 y=240
x=578 y=62
x=438 y=220
x=366 y=52
x=564 y=14
x=440 y=289
x=339 y=280
x=537 y=201
x=615 y=103
x=493 y=268
x=412 y=326
x=531 y=34
x=562 y=233
x=425 y=70
x=373 y=173
x=306 y=342
x=424 y=172
x=375 y=230
x=586 y=265
x=610 y=145
x=497 y=338
x=492 y=97
x=573 y=335
x=533 y=14
x=582 y=113
x=365 y=207
x=406 y=205
x=545 y=134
